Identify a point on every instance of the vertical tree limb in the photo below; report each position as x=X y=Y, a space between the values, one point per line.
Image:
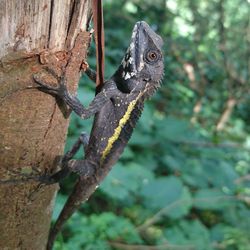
x=34 y=35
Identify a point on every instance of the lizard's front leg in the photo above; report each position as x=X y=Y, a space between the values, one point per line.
x=72 y=101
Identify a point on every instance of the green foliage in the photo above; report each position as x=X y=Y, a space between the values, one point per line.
x=181 y=183
x=92 y=232
x=193 y=234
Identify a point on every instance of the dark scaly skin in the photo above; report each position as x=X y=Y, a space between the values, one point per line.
x=117 y=107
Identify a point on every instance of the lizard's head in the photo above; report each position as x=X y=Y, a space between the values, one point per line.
x=143 y=61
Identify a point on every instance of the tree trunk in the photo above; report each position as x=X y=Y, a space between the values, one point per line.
x=35 y=34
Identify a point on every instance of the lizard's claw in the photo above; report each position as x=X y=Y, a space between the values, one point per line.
x=17 y=177
x=44 y=87
x=55 y=91
x=22 y=178
x=46 y=180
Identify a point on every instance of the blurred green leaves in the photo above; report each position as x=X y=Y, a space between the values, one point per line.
x=116 y=183
x=92 y=232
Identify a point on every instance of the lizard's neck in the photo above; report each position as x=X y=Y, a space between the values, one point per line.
x=124 y=82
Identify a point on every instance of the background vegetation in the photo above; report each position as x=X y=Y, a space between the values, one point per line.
x=183 y=180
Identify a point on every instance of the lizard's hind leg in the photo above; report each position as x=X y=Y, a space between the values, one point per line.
x=66 y=170
x=82 y=140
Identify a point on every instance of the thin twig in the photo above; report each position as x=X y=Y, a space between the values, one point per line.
x=155 y=218
x=147 y=247
x=211 y=144
x=242 y=179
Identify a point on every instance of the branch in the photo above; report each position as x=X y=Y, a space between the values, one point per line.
x=166 y=246
x=242 y=179
x=154 y=219
x=225 y=116
x=211 y=144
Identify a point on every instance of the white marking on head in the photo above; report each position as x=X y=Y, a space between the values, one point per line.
x=124 y=63
x=132 y=74
x=128 y=61
x=134 y=34
x=132 y=45
x=127 y=76
x=141 y=65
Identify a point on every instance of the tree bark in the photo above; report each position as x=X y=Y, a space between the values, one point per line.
x=35 y=34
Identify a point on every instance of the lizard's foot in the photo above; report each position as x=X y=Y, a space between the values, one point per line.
x=19 y=176
x=55 y=91
x=46 y=179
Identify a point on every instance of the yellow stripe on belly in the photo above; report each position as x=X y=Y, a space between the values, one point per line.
x=118 y=130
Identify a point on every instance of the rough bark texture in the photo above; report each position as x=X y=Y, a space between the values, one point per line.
x=34 y=34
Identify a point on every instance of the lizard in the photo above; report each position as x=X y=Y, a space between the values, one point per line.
x=116 y=107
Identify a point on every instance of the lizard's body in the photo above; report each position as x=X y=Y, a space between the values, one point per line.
x=117 y=108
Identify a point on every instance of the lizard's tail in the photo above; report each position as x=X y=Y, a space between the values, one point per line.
x=82 y=191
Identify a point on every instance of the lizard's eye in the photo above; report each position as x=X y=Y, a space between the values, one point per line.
x=152 y=56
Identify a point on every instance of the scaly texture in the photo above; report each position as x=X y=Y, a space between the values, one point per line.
x=117 y=108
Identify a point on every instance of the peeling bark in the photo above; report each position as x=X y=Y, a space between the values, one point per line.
x=34 y=35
